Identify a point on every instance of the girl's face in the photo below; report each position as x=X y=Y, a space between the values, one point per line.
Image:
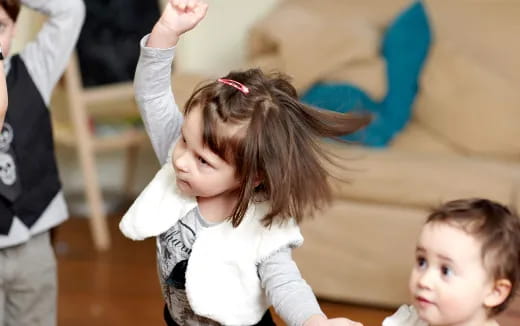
x=7 y=30
x=199 y=171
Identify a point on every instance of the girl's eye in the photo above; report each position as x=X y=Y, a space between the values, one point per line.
x=421 y=262
x=203 y=161
x=446 y=271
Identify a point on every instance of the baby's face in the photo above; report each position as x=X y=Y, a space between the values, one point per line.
x=449 y=282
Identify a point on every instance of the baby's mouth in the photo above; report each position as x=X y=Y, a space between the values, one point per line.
x=423 y=301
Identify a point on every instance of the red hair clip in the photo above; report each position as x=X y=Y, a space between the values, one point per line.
x=233 y=83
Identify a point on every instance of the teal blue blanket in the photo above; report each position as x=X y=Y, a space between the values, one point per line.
x=404 y=47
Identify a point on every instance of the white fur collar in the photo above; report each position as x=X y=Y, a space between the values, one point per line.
x=157 y=208
x=221 y=278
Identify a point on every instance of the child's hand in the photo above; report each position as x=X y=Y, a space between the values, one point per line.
x=319 y=320
x=178 y=17
x=181 y=16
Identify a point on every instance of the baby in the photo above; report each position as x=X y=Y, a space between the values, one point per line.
x=467 y=266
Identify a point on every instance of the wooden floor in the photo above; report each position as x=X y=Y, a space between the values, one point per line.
x=120 y=287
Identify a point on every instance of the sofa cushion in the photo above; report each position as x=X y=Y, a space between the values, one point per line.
x=415 y=138
x=293 y=36
x=302 y=39
x=365 y=250
x=420 y=179
x=470 y=85
x=469 y=105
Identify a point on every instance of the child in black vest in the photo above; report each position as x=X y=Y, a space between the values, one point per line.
x=31 y=200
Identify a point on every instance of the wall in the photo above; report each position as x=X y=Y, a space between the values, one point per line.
x=217 y=44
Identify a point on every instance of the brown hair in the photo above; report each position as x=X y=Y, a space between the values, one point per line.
x=11 y=7
x=499 y=230
x=277 y=143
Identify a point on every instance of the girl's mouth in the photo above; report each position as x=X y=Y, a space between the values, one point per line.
x=182 y=182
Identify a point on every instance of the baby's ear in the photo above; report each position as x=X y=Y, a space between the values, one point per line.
x=499 y=293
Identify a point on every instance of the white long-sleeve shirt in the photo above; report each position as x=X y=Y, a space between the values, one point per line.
x=46 y=58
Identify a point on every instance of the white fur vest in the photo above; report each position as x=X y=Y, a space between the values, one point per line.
x=221 y=278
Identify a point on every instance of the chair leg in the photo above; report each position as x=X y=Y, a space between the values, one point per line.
x=98 y=223
x=130 y=170
x=86 y=153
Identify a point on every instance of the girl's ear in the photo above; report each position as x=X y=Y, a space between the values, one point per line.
x=499 y=293
x=259 y=179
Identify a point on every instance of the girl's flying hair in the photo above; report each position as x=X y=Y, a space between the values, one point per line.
x=256 y=122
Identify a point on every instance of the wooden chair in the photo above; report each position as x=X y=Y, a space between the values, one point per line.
x=113 y=100
x=84 y=104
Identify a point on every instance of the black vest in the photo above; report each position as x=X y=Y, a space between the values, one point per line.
x=28 y=174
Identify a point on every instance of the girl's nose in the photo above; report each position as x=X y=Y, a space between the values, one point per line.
x=181 y=163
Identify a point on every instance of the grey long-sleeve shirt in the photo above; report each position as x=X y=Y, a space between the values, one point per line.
x=46 y=58
x=289 y=294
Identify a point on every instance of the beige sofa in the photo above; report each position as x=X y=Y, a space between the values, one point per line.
x=463 y=139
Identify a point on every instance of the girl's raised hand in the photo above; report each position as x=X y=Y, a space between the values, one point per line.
x=181 y=16
x=178 y=17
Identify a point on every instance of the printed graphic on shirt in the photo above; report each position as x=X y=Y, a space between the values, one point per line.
x=7 y=169
x=174 y=249
x=6 y=137
x=9 y=188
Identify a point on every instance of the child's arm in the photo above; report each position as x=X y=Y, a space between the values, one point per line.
x=290 y=295
x=47 y=56
x=3 y=93
x=152 y=80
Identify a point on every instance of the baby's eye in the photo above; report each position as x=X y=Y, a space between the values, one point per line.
x=446 y=271
x=421 y=262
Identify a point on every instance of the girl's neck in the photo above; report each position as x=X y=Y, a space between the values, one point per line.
x=217 y=208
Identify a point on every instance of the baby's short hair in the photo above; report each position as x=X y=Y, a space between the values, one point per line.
x=11 y=7
x=497 y=227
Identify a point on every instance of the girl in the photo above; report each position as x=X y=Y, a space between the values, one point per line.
x=242 y=168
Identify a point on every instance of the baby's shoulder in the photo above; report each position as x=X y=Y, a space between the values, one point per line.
x=404 y=316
